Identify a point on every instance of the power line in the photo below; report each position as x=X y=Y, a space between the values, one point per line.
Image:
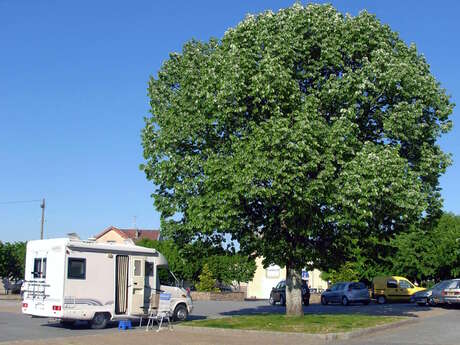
x=18 y=202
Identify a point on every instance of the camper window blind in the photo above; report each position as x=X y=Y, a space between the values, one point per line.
x=121 y=303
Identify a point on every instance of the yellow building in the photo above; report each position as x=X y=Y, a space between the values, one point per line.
x=266 y=278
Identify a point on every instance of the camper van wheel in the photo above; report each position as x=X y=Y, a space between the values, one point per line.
x=381 y=300
x=180 y=313
x=100 y=320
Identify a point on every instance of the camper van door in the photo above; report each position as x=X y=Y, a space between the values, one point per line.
x=137 y=271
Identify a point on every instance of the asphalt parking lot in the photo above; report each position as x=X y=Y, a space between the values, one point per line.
x=15 y=326
x=213 y=309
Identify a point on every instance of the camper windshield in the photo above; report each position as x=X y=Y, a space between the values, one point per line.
x=167 y=277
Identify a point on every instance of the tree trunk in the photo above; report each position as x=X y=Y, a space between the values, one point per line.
x=293 y=292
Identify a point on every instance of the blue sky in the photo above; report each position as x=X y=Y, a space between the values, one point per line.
x=73 y=78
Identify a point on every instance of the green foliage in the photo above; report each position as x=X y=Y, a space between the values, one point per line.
x=432 y=254
x=347 y=272
x=188 y=262
x=228 y=269
x=206 y=280
x=12 y=260
x=177 y=264
x=423 y=254
x=302 y=134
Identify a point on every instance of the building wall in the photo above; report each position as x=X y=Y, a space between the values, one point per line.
x=315 y=281
x=264 y=279
x=111 y=236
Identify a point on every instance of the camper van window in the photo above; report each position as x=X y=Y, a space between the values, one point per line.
x=76 y=268
x=44 y=268
x=39 y=268
x=165 y=277
x=137 y=268
x=149 y=269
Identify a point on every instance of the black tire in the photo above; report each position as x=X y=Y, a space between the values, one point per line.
x=271 y=300
x=345 y=301
x=381 y=299
x=180 y=313
x=100 y=320
x=282 y=300
x=323 y=300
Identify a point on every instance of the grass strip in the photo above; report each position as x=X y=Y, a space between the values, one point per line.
x=310 y=323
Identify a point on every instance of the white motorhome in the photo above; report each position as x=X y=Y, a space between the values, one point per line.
x=71 y=280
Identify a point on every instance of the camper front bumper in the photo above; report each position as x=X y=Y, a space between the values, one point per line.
x=189 y=304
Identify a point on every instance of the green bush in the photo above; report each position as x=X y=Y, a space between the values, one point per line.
x=206 y=280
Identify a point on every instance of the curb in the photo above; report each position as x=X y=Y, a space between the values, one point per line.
x=325 y=337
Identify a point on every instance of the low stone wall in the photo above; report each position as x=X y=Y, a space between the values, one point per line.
x=217 y=296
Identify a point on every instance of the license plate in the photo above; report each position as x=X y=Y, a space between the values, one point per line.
x=39 y=306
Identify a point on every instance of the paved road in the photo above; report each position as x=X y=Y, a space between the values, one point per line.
x=15 y=326
x=436 y=325
x=442 y=329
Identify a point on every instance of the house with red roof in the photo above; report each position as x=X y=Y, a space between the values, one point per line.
x=116 y=235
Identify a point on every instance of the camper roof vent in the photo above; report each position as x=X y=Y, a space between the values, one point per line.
x=92 y=239
x=73 y=236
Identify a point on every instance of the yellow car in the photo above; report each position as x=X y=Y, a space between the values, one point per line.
x=393 y=288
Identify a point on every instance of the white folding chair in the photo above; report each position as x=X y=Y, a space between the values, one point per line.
x=153 y=309
x=164 y=311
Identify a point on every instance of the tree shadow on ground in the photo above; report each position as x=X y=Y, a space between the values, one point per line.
x=394 y=309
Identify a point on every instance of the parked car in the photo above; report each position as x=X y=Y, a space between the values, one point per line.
x=431 y=296
x=451 y=294
x=346 y=293
x=11 y=286
x=393 y=288
x=278 y=294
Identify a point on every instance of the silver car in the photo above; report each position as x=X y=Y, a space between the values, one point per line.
x=431 y=296
x=451 y=294
x=346 y=293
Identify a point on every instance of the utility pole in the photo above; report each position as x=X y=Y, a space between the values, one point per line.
x=42 y=205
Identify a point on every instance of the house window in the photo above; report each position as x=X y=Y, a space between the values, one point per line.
x=76 y=268
x=39 y=268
